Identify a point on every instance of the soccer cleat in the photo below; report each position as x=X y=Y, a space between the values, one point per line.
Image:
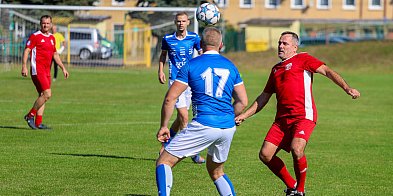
x=198 y=159
x=300 y=194
x=290 y=192
x=30 y=121
x=42 y=126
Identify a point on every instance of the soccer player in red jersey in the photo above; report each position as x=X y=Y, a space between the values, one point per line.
x=42 y=48
x=291 y=80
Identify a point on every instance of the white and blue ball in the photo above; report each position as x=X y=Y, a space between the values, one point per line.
x=208 y=14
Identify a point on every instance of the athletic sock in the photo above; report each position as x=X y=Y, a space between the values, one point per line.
x=300 y=167
x=164 y=179
x=38 y=120
x=277 y=166
x=224 y=186
x=32 y=112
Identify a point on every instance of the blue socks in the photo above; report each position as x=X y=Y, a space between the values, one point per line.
x=224 y=186
x=164 y=179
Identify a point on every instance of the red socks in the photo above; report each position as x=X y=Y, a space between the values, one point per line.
x=32 y=112
x=277 y=166
x=38 y=120
x=300 y=167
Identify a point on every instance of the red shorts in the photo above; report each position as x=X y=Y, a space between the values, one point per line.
x=284 y=130
x=41 y=82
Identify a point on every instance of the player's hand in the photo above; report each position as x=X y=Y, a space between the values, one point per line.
x=163 y=134
x=65 y=73
x=161 y=77
x=239 y=119
x=353 y=93
x=24 y=71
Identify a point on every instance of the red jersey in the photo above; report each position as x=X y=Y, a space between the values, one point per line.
x=291 y=80
x=42 y=49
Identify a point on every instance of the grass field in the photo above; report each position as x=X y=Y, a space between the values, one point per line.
x=104 y=124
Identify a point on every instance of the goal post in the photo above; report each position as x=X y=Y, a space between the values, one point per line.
x=134 y=41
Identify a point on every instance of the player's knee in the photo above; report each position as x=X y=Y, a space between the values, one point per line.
x=297 y=153
x=264 y=156
x=47 y=95
x=214 y=175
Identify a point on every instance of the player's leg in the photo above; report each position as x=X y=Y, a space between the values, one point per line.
x=216 y=156
x=270 y=148
x=55 y=70
x=40 y=104
x=164 y=177
x=302 y=131
x=221 y=180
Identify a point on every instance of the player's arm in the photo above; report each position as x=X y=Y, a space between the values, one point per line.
x=240 y=99
x=257 y=106
x=167 y=109
x=26 y=53
x=57 y=59
x=161 y=74
x=336 y=78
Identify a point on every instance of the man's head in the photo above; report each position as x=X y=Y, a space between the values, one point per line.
x=211 y=39
x=182 y=21
x=287 y=44
x=54 y=29
x=45 y=23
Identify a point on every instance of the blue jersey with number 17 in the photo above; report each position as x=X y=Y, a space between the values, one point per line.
x=180 y=51
x=212 y=79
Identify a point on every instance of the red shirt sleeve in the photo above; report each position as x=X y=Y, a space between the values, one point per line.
x=311 y=63
x=269 y=88
x=31 y=42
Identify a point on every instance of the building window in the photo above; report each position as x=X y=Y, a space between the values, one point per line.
x=221 y=3
x=375 y=4
x=298 y=4
x=324 y=4
x=272 y=4
x=118 y=2
x=246 y=3
x=349 y=4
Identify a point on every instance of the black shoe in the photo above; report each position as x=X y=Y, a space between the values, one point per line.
x=30 y=121
x=300 y=194
x=42 y=126
x=290 y=192
x=198 y=159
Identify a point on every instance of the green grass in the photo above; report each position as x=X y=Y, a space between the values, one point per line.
x=103 y=139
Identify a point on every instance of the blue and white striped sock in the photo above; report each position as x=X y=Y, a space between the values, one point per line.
x=224 y=186
x=164 y=179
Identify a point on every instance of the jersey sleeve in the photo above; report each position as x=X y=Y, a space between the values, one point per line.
x=238 y=79
x=31 y=42
x=164 y=44
x=197 y=43
x=54 y=44
x=269 y=88
x=311 y=63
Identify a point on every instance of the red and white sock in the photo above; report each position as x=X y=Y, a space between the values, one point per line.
x=300 y=167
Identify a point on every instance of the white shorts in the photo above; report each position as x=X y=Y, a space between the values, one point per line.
x=197 y=137
x=184 y=99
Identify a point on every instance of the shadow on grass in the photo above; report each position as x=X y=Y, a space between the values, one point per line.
x=14 y=127
x=135 y=195
x=102 y=156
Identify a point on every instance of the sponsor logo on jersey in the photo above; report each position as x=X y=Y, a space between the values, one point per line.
x=301 y=132
x=42 y=40
x=288 y=66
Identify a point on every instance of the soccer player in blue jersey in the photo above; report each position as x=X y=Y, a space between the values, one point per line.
x=179 y=46
x=214 y=82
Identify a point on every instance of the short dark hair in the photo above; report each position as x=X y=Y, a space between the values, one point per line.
x=295 y=37
x=45 y=17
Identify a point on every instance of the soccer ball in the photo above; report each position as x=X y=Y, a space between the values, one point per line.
x=208 y=14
